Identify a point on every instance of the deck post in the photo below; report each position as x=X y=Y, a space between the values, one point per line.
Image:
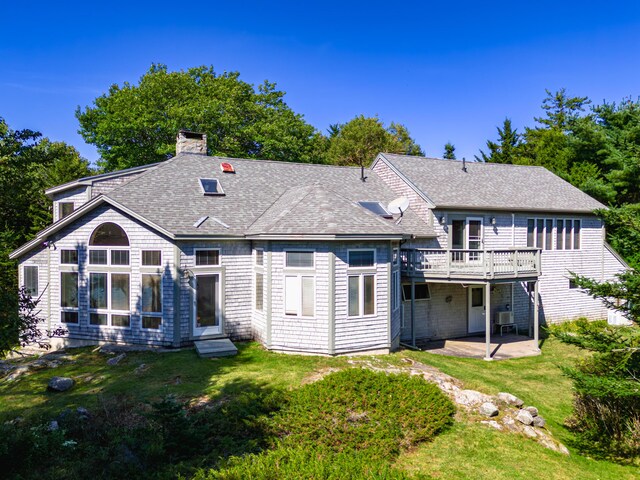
x=413 y=311
x=515 y=262
x=536 y=312
x=487 y=319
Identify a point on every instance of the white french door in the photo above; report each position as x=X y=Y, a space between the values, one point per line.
x=477 y=310
x=474 y=238
x=206 y=304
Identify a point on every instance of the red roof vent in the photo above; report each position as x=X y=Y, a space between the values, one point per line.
x=227 y=168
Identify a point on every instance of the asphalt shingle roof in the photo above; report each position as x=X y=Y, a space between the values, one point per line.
x=492 y=186
x=262 y=197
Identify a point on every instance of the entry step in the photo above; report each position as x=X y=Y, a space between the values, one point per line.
x=220 y=347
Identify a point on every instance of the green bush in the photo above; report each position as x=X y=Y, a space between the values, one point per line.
x=607 y=391
x=351 y=425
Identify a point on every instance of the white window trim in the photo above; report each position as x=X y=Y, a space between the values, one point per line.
x=142 y=250
x=369 y=267
x=219 y=190
x=298 y=313
x=195 y=256
x=309 y=250
x=361 y=276
x=22 y=278
x=255 y=288
x=195 y=331
x=255 y=257
x=77 y=255
x=109 y=311
x=69 y=309
x=428 y=299
x=398 y=283
x=152 y=314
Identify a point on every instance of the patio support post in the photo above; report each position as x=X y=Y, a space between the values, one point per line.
x=413 y=311
x=536 y=314
x=487 y=319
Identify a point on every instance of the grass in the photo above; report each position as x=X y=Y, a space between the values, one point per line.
x=466 y=451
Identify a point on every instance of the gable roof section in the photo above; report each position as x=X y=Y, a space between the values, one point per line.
x=319 y=211
x=170 y=196
x=96 y=178
x=43 y=235
x=490 y=186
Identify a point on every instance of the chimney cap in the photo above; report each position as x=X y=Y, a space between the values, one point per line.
x=191 y=134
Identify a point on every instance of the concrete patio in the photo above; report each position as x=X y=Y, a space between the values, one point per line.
x=502 y=348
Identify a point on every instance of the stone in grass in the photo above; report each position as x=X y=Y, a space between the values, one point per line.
x=488 y=409
x=532 y=410
x=538 y=421
x=60 y=384
x=510 y=399
x=116 y=360
x=53 y=426
x=524 y=417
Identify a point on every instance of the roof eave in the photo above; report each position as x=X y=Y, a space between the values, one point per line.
x=520 y=209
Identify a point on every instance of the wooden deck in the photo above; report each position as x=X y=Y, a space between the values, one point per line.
x=220 y=347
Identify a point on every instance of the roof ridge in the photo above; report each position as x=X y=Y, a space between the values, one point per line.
x=472 y=162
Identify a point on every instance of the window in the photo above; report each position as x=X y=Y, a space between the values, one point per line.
x=540 y=233
x=361 y=258
x=421 y=289
x=377 y=208
x=69 y=257
x=97 y=257
x=568 y=234
x=151 y=258
x=65 y=209
x=395 y=290
x=30 y=279
x=299 y=292
x=211 y=186
x=207 y=257
x=259 y=257
x=151 y=301
x=109 y=234
x=69 y=297
x=259 y=291
x=119 y=257
x=299 y=259
x=109 y=293
x=362 y=295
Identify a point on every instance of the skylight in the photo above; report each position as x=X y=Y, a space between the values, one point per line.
x=211 y=186
x=377 y=208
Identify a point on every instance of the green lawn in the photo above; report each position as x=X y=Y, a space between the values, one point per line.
x=467 y=451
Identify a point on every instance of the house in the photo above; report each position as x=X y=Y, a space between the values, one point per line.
x=308 y=258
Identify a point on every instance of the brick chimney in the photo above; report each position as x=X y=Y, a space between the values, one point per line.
x=191 y=142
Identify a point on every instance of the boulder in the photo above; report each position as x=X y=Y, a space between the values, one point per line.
x=492 y=424
x=488 y=409
x=510 y=399
x=524 y=417
x=60 y=384
x=53 y=426
x=538 y=421
x=116 y=360
x=532 y=410
x=469 y=398
x=529 y=431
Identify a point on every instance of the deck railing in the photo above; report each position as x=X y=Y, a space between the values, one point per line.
x=471 y=263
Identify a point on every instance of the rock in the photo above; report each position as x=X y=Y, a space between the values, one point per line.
x=524 y=417
x=510 y=399
x=539 y=422
x=532 y=410
x=553 y=445
x=60 y=384
x=488 y=409
x=529 y=431
x=53 y=426
x=17 y=373
x=83 y=412
x=469 y=398
x=492 y=424
x=143 y=367
x=116 y=360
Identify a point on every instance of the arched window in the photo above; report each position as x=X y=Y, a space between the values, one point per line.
x=109 y=289
x=109 y=235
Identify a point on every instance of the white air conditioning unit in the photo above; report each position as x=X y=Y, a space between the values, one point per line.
x=504 y=318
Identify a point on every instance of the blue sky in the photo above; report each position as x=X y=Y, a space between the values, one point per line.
x=450 y=71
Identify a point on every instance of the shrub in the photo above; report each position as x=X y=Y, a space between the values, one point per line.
x=607 y=390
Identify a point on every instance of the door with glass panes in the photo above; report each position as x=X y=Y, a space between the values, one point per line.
x=206 y=305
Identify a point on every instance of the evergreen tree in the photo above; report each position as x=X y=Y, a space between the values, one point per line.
x=449 y=151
